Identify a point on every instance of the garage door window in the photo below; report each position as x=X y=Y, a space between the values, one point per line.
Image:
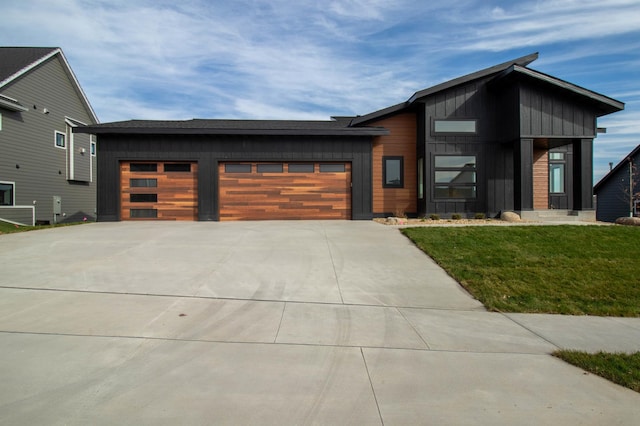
x=300 y=168
x=332 y=168
x=143 y=198
x=144 y=167
x=177 y=167
x=269 y=168
x=237 y=168
x=143 y=183
x=143 y=213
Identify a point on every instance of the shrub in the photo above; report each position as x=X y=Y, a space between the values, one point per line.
x=456 y=216
x=434 y=216
x=480 y=216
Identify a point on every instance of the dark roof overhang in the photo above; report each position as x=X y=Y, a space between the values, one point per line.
x=234 y=127
x=604 y=104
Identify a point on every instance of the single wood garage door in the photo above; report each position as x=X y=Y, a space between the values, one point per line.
x=266 y=191
x=158 y=190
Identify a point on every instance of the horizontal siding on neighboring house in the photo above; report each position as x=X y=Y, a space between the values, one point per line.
x=27 y=141
x=401 y=142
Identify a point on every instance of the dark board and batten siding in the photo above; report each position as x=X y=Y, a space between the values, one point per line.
x=211 y=150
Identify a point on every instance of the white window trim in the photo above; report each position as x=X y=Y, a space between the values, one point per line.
x=13 y=201
x=55 y=139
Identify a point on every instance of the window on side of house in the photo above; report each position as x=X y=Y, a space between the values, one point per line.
x=7 y=193
x=93 y=145
x=467 y=126
x=455 y=176
x=60 y=140
x=557 y=166
x=421 y=178
x=392 y=172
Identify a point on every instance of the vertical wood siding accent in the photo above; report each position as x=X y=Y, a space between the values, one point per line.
x=401 y=142
x=177 y=192
x=268 y=196
x=27 y=140
x=540 y=179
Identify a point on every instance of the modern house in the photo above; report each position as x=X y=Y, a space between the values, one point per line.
x=503 y=138
x=47 y=172
x=618 y=192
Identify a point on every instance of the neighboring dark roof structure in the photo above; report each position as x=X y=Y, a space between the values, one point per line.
x=613 y=171
x=15 y=59
x=338 y=126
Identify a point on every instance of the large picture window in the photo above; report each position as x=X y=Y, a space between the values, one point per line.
x=392 y=172
x=455 y=176
x=7 y=193
x=454 y=127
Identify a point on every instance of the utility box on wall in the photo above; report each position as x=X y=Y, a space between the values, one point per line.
x=57 y=205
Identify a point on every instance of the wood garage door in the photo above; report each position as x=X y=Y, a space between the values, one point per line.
x=158 y=190
x=265 y=191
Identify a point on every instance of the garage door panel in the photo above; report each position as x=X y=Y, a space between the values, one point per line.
x=177 y=195
x=312 y=195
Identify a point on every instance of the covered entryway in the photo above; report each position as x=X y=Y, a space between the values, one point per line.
x=269 y=190
x=158 y=190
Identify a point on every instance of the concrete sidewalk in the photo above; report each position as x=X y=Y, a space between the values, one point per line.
x=277 y=323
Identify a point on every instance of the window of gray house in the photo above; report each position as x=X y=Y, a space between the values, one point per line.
x=556 y=172
x=60 y=140
x=421 y=178
x=7 y=193
x=392 y=172
x=455 y=176
x=93 y=145
x=455 y=126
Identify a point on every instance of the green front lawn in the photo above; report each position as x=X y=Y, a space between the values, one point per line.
x=576 y=270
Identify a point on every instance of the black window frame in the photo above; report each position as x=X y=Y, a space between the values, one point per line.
x=12 y=193
x=450 y=186
x=143 y=198
x=385 y=183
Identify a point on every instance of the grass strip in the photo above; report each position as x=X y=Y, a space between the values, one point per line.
x=620 y=368
x=568 y=269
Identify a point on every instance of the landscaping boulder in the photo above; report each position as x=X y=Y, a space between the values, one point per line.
x=510 y=217
x=633 y=221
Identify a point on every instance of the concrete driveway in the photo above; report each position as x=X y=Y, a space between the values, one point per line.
x=269 y=323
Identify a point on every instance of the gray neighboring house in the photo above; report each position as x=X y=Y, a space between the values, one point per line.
x=614 y=188
x=47 y=173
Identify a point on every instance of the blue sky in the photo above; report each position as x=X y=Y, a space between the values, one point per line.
x=283 y=59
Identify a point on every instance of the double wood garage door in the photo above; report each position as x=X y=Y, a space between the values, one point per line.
x=246 y=191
